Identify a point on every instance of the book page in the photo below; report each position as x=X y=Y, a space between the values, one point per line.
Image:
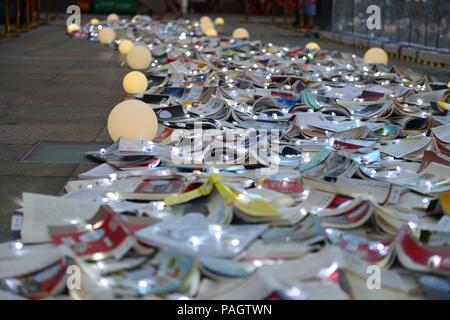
x=378 y=189
x=406 y=146
x=28 y=263
x=442 y=133
x=40 y=211
x=101 y=171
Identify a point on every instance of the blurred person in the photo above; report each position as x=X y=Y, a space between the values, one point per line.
x=162 y=9
x=300 y=14
x=146 y=7
x=311 y=12
x=216 y=5
x=261 y=6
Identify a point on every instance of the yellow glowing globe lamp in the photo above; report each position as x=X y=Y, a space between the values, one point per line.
x=219 y=21
x=113 y=17
x=95 y=21
x=241 y=34
x=132 y=119
x=376 y=56
x=211 y=32
x=139 y=58
x=205 y=27
x=106 y=36
x=73 y=27
x=135 y=82
x=125 y=46
x=205 y=19
x=312 y=46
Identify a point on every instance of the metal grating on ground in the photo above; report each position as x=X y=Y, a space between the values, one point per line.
x=60 y=152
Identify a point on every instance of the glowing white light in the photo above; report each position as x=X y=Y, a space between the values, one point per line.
x=195 y=241
x=143 y=283
x=104 y=282
x=434 y=261
x=235 y=242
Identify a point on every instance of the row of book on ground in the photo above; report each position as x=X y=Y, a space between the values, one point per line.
x=275 y=173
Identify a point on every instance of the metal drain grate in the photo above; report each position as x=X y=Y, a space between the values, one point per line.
x=61 y=152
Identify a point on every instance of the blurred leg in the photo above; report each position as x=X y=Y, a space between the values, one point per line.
x=47 y=10
x=162 y=8
x=27 y=14
x=17 y=29
x=6 y=14
x=8 y=32
x=174 y=8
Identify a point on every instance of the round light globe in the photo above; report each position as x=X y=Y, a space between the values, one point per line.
x=113 y=17
x=376 y=56
x=95 y=21
x=312 y=46
x=211 y=32
x=219 y=21
x=241 y=34
x=106 y=36
x=125 y=46
x=73 y=27
x=205 y=19
x=205 y=26
x=139 y=58
x=135 y=82
x=132 y=119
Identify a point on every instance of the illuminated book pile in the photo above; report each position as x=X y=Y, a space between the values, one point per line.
x=245 y=170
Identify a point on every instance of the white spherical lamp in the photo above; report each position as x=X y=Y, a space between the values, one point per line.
x=139 y=58
x=211 y=32
x=135 y=82
x=376 y=56
x=125 y=46
x=132 y=119
x=205 y=19
x=206 y=25
x=312 y=46
x=106 y=36
x=219 y=21
x=113 y=17
x=241 y=34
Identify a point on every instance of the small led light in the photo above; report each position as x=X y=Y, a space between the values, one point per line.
x=235 y=242
x=194 y=241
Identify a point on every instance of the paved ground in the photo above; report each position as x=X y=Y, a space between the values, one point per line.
x=51 y=88
x=54 y=88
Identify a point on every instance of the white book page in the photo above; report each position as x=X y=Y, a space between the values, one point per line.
x=378 y=189
x=9 y=296
x=277 y=250
x=131 y=145
x=442 y=133
x=317 y=199
x=101 y=171
x=40 y=211
x=406 y=146
x=28 y=263
x=178 y=67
